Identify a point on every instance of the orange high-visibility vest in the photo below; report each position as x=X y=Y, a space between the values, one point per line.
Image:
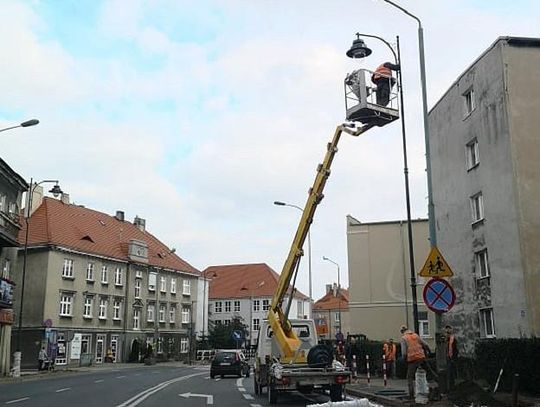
x=451 y=340
x=415 y=351
x=381 y=72
x=389 y=352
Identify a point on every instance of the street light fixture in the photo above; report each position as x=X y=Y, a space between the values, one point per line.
x=338 y=293
x=360 y=51
x=27 y=123
x=280 y=203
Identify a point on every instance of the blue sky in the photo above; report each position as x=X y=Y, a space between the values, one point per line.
x=197 y=115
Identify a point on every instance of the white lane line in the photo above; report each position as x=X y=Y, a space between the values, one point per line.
x=248 y=396
x=120 y=377
x=239 y=382
x=256 y=405
x=17 y=400
x=207 y=377
x=64 y=389
x=218 y=379
x=98 y=381
x=241 y=389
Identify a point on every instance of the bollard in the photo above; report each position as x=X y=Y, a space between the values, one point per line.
x=515 y=388
x=367 y=368
x=355 y=371
x=384 y=369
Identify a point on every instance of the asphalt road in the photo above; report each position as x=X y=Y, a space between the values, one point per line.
x=147 y=386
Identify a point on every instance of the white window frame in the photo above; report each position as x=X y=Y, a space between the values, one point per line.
x=136 y=318
x=481 y=261
x=67 y=269
x=66 y=305
x=87 y=309
x=256 y=324
x=484 y=314
x=237 y=306
x=469 y=102
x=104 y=274
x=477 y=207
x=103 y=305
x=90 y=271
x=150 y=312
x=152 y=276
x=163 y=284
x=118 y=276
x=423 y=324
x=137 y=288
x=256 y=305
x=226 y=322
x=173 y=285
x=472 y=154
x=300 y=308
x=227 y=306
x=186 y=287
x=185 y=315
x=337 y=316
x=172 y=315
x=138 y=273
x=117 y=310
x=218 y=307
x=265 y=305
x=162 y=312
x=184 y=345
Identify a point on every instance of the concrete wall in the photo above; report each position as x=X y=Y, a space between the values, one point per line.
x=379 y=276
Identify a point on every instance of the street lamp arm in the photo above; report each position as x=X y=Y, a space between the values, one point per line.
x=396 y=59
x=405 y=11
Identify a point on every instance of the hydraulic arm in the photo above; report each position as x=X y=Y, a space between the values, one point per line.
x=284 y=335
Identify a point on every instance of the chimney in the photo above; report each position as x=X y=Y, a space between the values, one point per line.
x=64 y=198
x=140 y=223
x=119 y=215
x=328 y=288
x=37 y=200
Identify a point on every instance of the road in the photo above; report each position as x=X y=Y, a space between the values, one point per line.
x=144 y=386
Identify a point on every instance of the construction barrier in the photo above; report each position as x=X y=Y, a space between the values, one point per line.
x=384 y=369
x=354 y=369
x=367 y=369
x=348 y=403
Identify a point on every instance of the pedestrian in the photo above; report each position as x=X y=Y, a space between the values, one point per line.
x=451 y=356
x=42 y=358
x=389 y=350
x=382 y=77
x=412 y=350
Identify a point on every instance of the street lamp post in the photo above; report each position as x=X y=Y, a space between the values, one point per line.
x=362 y=52
x=338 y=288
x=55 y=191
x=27 y=123
x=280 y=203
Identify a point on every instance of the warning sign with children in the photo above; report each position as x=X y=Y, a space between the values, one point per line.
x=435 y=265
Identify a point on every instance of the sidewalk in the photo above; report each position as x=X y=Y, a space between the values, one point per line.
x=394 y=394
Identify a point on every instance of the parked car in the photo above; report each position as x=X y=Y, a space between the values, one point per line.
x=229 y=362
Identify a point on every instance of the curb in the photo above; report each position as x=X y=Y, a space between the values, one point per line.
x=386 y=401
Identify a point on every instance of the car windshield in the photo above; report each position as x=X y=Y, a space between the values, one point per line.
x=225 y=357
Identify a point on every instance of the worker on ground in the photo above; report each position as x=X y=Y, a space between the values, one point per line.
x=382 y=77
x=451 y=356
x=412 y=350
x=389 y=350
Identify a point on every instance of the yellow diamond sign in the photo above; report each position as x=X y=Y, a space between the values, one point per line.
x=436 y=265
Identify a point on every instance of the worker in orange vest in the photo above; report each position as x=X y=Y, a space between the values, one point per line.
x=389 y=350
x=412 y=350
x=451 y=356
x=382 y=77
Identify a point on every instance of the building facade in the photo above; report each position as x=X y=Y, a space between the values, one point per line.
x=99 y=288
x=486 y=177
x=331 y=313
x=12 y=186
x=245 y=291
x=380 y=298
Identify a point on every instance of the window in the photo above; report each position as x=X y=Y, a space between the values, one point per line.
x=184 y=345
x=103 y=308
x=337 y=316
x=477 y=207
x=66 y=302
x=7 y=268
x=482 y=264
x=152 y=279
x=117 y=306
x=136 y=319
x=266 y=305
x=423 y=323
x=217 y=322
x=67 y=270
x=118 y=276
x=172 y=315
x=300 y=308
x=173 y=285
x=472 y=154
x=186 y=288
x=256 y=305
x=237 y=306
x=227 y=306
x=138 y=273
x=2 y=203
x=137 y=288
x=256 y=324
x=185 y=316
x=162 y=310
x=150 y=313
x=88 y=302
x=487 y=322
x=163 y=284
x=104 y=275
x=90 y=272
x=468 y=99
x=217 y=307
x=227 y=322
x=86 y=341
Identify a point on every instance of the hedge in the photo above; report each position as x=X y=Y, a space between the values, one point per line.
x=520 y=356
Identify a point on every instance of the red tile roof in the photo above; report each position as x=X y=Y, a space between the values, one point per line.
x=331 y=302
x=90 y=231
x=243 y=280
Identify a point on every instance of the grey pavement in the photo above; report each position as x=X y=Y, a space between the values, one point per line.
x=393 y=394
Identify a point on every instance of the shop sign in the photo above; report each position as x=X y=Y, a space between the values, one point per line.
x=6 y=316
x=6 y=293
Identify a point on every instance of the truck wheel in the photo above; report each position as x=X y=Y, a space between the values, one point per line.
x=256 y=385
x=272 y=393
x=336 y=392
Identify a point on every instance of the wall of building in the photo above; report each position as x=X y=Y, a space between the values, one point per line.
x=523 y=89
x=379 y=276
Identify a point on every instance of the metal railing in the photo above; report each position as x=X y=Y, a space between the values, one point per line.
x=360 y=89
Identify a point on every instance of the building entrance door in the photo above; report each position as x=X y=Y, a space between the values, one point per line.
x=115 y=347
x=99 y=348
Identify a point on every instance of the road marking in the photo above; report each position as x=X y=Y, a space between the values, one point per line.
x=64 y=389
x=256 y=405
x=207 y=377
x=239 y=382
x=138 y=374
x=248 y=396
x=98 y=381
x=16 y=401
x=241 y=389
x=120 y=377
x=138 y=398
x=218 y=379
x=209 y=397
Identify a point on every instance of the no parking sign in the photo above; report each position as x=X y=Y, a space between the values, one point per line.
x=439 y=296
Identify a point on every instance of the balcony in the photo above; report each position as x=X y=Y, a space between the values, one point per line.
x=9 y=229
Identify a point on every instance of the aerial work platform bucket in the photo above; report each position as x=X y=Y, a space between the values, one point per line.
x=365 y=101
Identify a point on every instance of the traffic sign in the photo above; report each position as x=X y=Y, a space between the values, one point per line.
x=439 y=296
x=237 y=335
x=436 y=265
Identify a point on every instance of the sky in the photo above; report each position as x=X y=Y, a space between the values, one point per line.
x=198 y=115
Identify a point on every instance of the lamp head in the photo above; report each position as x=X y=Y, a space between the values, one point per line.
x=279 y=203
x=29 y=123
x=358 y=49
x=56 y=190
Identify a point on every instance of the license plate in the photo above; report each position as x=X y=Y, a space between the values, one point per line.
x=225 y=364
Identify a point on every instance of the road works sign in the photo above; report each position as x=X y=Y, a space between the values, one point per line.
x=436 y=265
x=439 y=296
